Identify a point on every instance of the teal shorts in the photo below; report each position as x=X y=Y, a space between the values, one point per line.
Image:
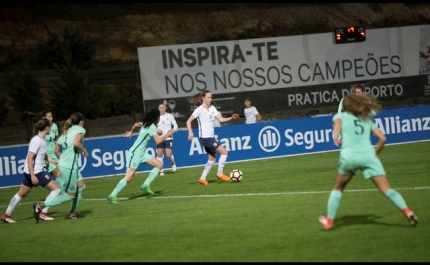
x=69 y=179
x=370 y=167
x=133 y=161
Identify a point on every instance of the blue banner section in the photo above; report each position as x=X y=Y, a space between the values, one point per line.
x=107 y=155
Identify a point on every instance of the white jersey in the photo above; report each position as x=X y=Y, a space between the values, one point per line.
x=205 y=118
x=38 y=146
x=250 y=115
x=165 y=124
x=216 y=121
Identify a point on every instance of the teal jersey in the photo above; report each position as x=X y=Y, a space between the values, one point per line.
x=50 y=141
x=145 y=134
x=356 y=134
x=69 y=154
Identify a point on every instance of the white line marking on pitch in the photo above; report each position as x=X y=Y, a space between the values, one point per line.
x=238 y=195
x=254 y=194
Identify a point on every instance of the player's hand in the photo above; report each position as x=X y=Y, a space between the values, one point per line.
x=86 y=153
x=34 y=180
x=171 y=132
x=159 y=131
x=127 y=134
x=190 y=135
x=337 y=142
x=235 y=116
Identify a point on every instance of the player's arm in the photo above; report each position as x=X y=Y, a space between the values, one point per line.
x=381 y=140
x=159 y=139
x=258 y=117
x=77 y=143
x=337 y=124
x=128 y=134
x=220 y=118
x=50 y=160
x=30 y=163
x=57 y=150
x=190 y=131
x=174 y=123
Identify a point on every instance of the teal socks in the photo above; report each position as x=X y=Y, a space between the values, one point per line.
x=77 y=200
x=333 y=203
x=396 y=198
x=56 y=201
x=121 y=185
x=152 y=175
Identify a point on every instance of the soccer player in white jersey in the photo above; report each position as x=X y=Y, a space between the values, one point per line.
x=166 y=123
x=251 y=113
x=34 y=173
x=205 y=113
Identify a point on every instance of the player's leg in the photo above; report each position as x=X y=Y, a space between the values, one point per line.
x=343 y=175
x=55 y=190
x=221 y=163
x=395 y=197
x=153 y=174
x=169 y=154
x=208 y=144
x=129 y=174
x=375 y=171
x=73 y=214
x=160 y=156
x=21 y=194
x=131 y=163
x=68 y=186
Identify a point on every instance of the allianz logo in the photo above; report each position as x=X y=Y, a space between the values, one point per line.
x=269 y=139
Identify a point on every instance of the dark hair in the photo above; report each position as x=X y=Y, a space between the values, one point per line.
x=197 y=98
x=39 y=115
x=247 y=99
x=43 y=114
x=361 y=106
x=151 y=118
x=358 y=86
x=74 y=119
x=40 y=125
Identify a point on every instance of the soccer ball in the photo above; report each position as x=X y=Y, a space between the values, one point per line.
x=236 y=175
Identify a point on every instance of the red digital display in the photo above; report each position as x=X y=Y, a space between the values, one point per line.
x=349 y=34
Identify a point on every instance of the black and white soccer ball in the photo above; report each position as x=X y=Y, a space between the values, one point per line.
x=236 y=175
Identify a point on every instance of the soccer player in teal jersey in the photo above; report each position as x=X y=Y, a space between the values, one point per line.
x=137 y=153
x=357 y=153
x=71 y=144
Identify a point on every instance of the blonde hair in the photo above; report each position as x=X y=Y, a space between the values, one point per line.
x=74 y=119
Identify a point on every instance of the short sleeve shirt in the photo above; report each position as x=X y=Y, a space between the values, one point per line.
x=250 y=115
x=69 y=154
x=205 y=118
x=37 y=146
x=145 y=134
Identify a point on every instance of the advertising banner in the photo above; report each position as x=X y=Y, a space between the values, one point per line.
x=285 y=73
x=107 y=155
